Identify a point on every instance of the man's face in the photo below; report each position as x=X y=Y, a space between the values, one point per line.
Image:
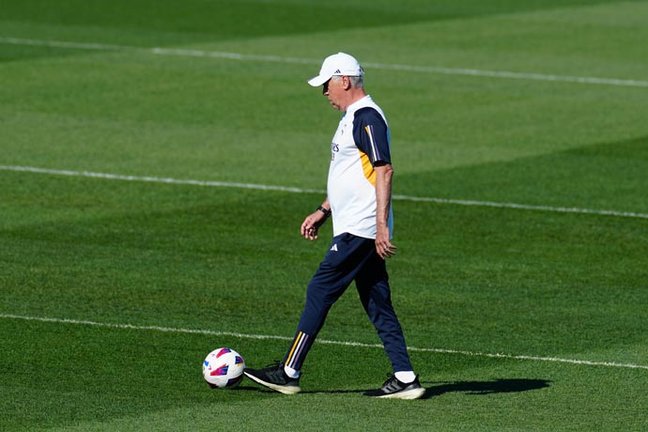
x=334 y=90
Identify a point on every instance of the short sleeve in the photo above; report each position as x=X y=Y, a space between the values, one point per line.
x=371 y=135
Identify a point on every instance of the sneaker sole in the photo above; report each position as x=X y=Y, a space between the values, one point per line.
x=287 y=390
x=406 y=394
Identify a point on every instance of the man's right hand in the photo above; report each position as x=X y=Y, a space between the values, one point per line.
x=310 y=226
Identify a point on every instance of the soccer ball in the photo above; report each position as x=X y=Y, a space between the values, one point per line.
x=223 y=367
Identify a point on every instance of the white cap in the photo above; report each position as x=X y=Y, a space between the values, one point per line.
x=337 y=65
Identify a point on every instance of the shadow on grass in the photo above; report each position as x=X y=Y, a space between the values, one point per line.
x=468 y=387
x=486 y=387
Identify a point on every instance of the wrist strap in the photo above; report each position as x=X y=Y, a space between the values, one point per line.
x=327 y=212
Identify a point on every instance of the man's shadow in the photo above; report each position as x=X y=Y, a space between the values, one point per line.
x=512 y=385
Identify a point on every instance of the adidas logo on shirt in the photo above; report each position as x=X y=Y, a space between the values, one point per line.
x=334 y=248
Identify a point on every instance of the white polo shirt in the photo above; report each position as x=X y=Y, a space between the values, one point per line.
x=360 y=142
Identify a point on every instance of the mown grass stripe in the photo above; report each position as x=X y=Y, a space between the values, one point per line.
x=530 y=76
x=290 y=189
x=180 y=330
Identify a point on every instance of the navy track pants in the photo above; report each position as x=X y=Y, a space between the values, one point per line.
x=350 y=258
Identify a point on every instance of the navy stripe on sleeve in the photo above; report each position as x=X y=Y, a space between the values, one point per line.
x=371 y=135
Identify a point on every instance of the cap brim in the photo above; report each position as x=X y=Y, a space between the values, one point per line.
x=318 y=80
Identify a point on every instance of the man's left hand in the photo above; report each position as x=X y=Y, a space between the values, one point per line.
x=384 y=246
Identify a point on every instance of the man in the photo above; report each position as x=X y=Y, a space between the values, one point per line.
x=359 y=201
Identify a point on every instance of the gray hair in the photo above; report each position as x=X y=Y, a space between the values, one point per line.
x=356 y=81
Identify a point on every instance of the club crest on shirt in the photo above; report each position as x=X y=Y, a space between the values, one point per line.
x=334 y=149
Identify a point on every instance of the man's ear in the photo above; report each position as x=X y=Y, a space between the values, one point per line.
x=346 y=82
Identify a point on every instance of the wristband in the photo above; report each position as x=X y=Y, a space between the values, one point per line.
x=327 y=212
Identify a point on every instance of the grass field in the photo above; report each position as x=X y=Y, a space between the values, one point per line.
x=158 y=157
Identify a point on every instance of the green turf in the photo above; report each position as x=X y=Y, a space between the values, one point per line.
x=470 y=279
